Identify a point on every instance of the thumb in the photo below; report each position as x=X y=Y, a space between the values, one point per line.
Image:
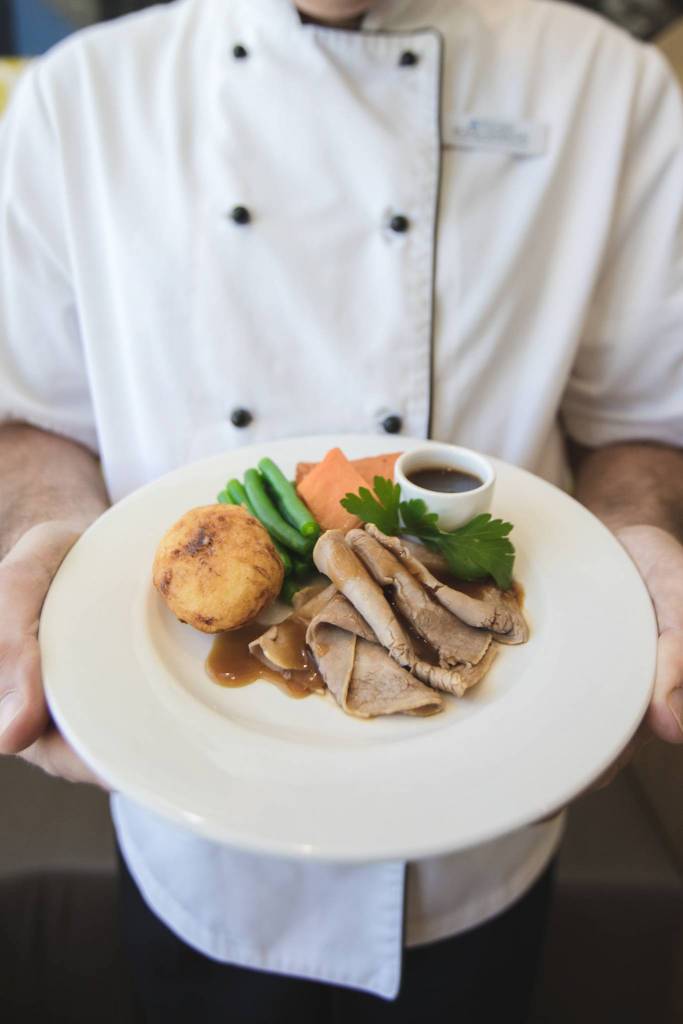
x=665 y=715
x=25 y=577
x=53 y=755
x=23 y=709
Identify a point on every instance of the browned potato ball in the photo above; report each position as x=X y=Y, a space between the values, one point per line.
x=217 y=568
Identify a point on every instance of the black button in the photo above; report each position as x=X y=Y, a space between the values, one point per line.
x=240 y=215
x=240 y=417
x=399 y=223
x=239 y=52
x=408 y=59
x=392 y=424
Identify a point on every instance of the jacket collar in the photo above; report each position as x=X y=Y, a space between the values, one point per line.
x=383 y=13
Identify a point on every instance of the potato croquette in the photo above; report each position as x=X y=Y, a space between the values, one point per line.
x=217 y=568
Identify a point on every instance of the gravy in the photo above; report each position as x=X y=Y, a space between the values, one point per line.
x=444 y=479
x=230 y=662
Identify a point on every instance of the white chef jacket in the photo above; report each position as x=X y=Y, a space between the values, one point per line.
x=532 y=156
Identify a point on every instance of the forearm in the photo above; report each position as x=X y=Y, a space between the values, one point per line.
x=45 y=478
x=630 y=485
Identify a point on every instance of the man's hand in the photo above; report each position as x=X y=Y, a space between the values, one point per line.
x=636 y=488
x=25 y=728
x=659 y=558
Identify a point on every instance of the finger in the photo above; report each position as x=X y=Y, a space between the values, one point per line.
x=26 y=572
x=665 y=714
x=53 y=755
x=23 y=710
x=25 y=576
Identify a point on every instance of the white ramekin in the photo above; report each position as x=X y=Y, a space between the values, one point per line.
x=453 y=509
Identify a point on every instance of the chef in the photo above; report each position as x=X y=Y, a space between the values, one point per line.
x=228 y=221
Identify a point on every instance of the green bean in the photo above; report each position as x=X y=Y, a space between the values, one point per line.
x=284 y=555
x=287 y=500
x=270 y=517
x=289 y=588
x=238 y=496
x=225 y=499
x=302 y=567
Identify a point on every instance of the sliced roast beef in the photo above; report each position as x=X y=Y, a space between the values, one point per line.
x=310 y=600
x=507 y=600
x=456 y=680
x=335 y=558
x=455 y=642
x=364 y=679
x=432 y=560
x=279 y=647
x=364 y=655
x=497 y=610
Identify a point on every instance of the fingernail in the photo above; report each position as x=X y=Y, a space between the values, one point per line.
x=675 y=702
x=10 y=706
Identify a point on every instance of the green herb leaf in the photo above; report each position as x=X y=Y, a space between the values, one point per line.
x=480 y=548
x=389 y=495
x=418 y=520
x=476 y=550
x=380 y=508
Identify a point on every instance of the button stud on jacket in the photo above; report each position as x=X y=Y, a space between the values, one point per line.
x=240 y=417
x=240 y=215
x=399 y=223
x=408 y=59
x=239 y=52
x=392 y=424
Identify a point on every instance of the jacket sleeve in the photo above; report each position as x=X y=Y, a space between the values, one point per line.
x=43 y=376
x=627 y=380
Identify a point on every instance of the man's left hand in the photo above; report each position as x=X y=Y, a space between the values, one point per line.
x=658 y=556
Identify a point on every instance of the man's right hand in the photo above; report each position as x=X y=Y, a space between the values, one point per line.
x=25 y=726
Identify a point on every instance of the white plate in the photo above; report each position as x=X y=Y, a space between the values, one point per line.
x=253 y=767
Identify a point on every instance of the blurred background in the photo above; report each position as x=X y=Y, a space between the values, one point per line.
x=31 y=26
x=615 y=949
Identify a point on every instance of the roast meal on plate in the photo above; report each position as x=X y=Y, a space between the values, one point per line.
x=318 y=651
x=395 y=583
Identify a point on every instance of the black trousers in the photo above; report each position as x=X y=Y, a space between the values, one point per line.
x=483 y=976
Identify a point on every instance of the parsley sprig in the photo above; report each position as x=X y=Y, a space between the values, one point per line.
x=476 y=550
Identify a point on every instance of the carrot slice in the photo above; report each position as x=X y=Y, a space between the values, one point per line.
x=377 y=465
x=369 y=467
x=325 y=485
x=303 y=469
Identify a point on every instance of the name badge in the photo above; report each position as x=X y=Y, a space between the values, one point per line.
x=518 y=138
